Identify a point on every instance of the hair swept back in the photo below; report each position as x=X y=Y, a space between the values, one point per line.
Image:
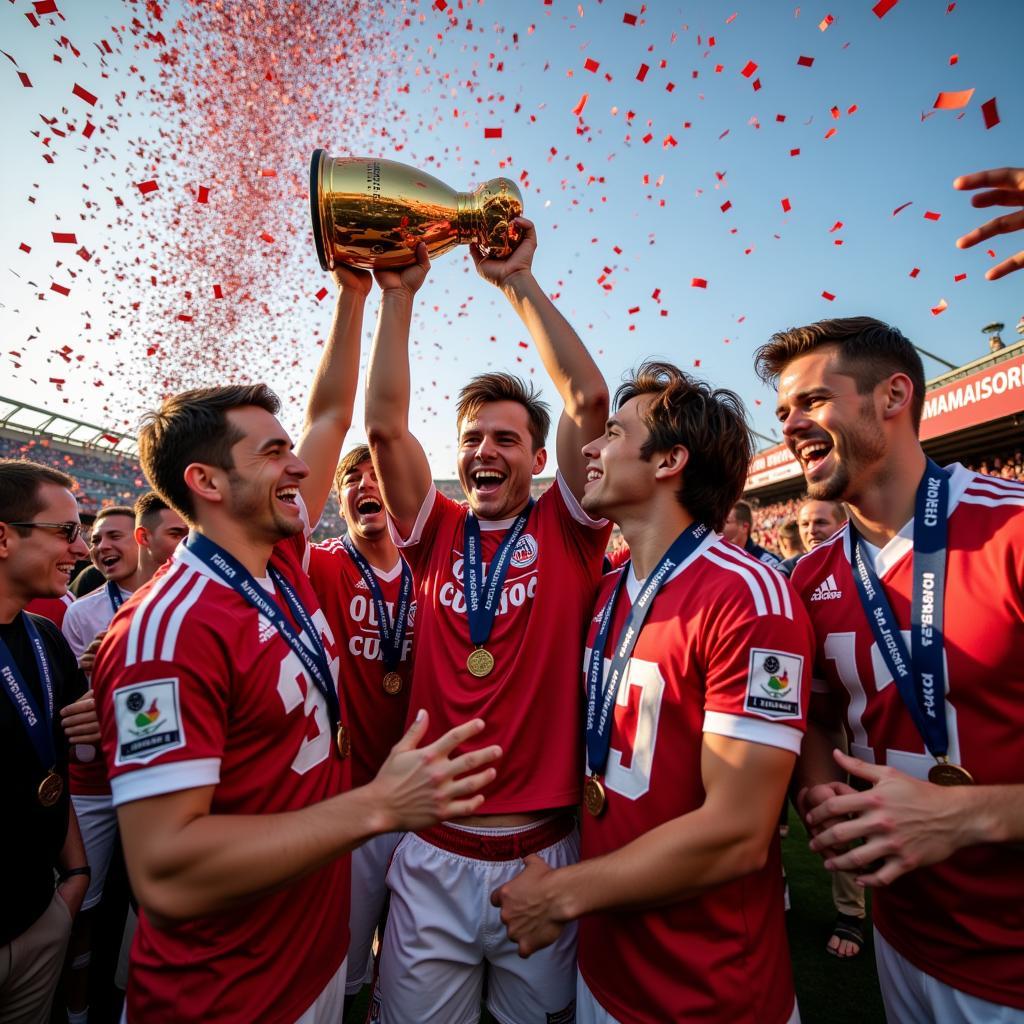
x=505 y=387
x=193 y=427
x=869 y=351
x=711 y=423
x=20 y=483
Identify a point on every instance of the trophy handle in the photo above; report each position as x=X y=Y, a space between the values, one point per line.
x=316 y=207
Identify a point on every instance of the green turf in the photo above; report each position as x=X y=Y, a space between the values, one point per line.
x=829 y=990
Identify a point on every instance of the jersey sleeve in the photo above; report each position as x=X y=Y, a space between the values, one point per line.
x=758 y=670
x=417 y=546
x=163 y=723
x=588 y=536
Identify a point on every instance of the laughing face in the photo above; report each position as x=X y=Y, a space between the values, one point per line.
x=497 y=461
x=834 y=431
x=114 y=550
x=361 y=504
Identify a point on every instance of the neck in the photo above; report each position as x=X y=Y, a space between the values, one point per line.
x=231 y=536
x=884 y=503
x=380 y=551
x=133 y=582
x=12 y=603
x=649 y=531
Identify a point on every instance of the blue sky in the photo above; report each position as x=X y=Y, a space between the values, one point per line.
x=735 y=151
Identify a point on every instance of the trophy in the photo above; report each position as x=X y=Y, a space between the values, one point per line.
x=373 y=213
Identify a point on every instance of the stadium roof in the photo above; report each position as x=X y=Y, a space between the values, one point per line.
x=30 y=419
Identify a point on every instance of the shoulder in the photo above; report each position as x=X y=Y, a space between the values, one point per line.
x=988 y=496
x=810 y=566
x=741 y=580
x=80 y=608
x=48 y=631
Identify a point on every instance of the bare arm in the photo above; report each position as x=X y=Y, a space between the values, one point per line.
x=185 y=862
x=1005 y=188
x=574 y=373
x=398 y=458
x=726 y=837
x=72 y=855
x=329 y=411
x=817 y=776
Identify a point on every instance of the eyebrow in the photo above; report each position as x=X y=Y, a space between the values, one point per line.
x=276 y=442
x=613 y=422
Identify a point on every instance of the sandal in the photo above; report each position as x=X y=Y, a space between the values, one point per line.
x=848 y=929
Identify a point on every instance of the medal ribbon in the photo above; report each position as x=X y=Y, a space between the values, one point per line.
x=481 y=604
x=313 y=657
x=919 y=673
x=392 y=634
x=114 y=595
x=39 y=726
x=603 y=688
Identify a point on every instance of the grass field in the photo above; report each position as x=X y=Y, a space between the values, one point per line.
x=829 y=990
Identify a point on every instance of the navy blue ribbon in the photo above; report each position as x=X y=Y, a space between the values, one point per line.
x=481 y=603
x=38 y=724
x=603 y=688
x=313 y=657
x=392 y=634
x=114 y=595
x=920 y=673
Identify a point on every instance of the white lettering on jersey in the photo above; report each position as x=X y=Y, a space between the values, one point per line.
x=841 y=648
x=513 y=595
x=295 y=688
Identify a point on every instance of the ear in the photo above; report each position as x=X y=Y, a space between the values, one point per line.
x=205 y=482
x=671 y=463
x=141 y=536
x=540 y=460
x=897 y=396
x=6 y=535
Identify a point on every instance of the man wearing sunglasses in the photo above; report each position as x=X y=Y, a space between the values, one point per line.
x=40 y=541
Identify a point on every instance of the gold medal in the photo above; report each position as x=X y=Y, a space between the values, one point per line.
x=945 y=773
x=50 y=789
x=343 y=741
x=392 y=683
x=480 y=662
x=594 y=796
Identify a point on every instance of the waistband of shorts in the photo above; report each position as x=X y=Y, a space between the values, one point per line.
x=501 y=846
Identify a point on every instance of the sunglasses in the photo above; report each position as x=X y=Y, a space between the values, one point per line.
x=71 y=531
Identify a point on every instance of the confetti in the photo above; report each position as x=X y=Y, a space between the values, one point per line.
x=578 y=109
x=25 y=80
x=65 y=237
x=748 y=69
x=591 y=65
x=492 y=133
x=629 y=19
x=786 y=206
x=321 y=295
x=218 y=292
x=954 y=59
x=266 y=236
x=990 y=113
x=60 y=289
x=932 y=215
x=84 y=94
x=204 y=194
x=953 y=100
x=642 y=73
x=915 y=271
x=145 y=187
x=959 y=277
x=698 y=282
x=25 y=248
x=829 y=296
x=903 y=207
x=45 y=7
x=943 y=304
x=883 y=7
x=727 y=205
x=805 y=62
x=825 y=22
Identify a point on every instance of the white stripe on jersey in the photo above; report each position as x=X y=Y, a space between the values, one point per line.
x=772 y=582
x=748 y=577
x=142 y=634
x=971 y=498
x=178 y=616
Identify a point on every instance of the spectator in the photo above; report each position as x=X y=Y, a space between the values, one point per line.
x=737 y=530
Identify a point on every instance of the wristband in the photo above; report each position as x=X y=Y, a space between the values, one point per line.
x=72 y=872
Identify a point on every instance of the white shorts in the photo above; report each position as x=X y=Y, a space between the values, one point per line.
x=97 y=821
x=913 y=997
x=369 y=891
x=590 y=1011
x=443 y=936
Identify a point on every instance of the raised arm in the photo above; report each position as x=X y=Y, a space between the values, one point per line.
x=401 y=464
x=1005 y=187
x=568 y=363
x=329 y=411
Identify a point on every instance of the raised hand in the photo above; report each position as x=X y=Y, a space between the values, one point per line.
x=520 y=261
x=79 y=721
x=419 y=786
x=1005 y=188
x=352 y=279
x=406 y=279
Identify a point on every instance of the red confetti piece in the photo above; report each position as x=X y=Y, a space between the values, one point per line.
x=780 y=118
x=25 y=80
x=88 y=130
x=185 y=318
x=829 y=296
x=590 y=64
x=266 y=236
x=441 y=5
x=831 y=132
x=60 y=289
x=642 y=73
x=786 y=206
x=629 y=19
x=698 y=282
x=943 y=304
x=835 y=227
x=915 y=271
x=805 y=62
x=45 y=6
x=794 y=152
x=991 y=252
x=990 y=112
x=959 y=277
x=756 y=85
x=84 y=94
x=218 y=292
x=204 y=194
x=578 y=109
x=84 y=253
x=64 y=236
x=953 y=100
x=954 y=59
x=825 y=22
x=903 y=207
x=749 y=68
x=835 y=113
x=727 y=205
x=25 y=248
x=145 y=187
x=268 y=172
x=492 y=133
x=321 y=295
x=932 y=215
x=883 y=7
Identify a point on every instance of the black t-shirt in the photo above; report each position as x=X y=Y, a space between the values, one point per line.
x=87 y=579
x=33 y=834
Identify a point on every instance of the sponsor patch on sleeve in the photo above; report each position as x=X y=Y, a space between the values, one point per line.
x=148 y=718
x=773 y=684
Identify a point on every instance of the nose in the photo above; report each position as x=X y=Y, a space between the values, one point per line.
x=486 y=449
x=298 y=468
x=795 y=422
x=79 y=549
x=592 y=449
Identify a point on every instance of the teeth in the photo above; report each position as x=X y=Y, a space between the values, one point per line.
x=485 y=475
x=593 y=474
x=287 y=493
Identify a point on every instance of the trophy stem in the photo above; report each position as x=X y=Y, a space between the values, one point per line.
x=468 y=217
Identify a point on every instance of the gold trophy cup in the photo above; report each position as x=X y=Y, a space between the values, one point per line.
x=373 y=213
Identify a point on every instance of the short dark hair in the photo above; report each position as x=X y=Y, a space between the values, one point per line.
x=869 y=351
x=743 y=513
x=147 y=507
x=20 y=481
x=193 y=427
x=113 y=510
x=711 y=423
x=505 y=387
x=352 y=459
x=790 y=529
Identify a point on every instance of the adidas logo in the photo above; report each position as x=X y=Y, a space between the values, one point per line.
x=827 y=590
x=266 y=630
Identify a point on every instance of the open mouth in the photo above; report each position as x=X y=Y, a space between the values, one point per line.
x=369 y=507
x=812 y=454
x=487 y=481
x=110 y=561
x=593 y=473
x=67 y=568
x=289 y=495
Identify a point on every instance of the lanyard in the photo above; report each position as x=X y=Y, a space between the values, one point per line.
x=114 y=595
x=481 y=604
x=603 y=688
x=38 y=726
x=392 y=634
x=313 y=657
x=919 y=674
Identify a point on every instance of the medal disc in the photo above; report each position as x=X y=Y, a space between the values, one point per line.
x=946 y=774
x=594 y=796
x=480 y=662
x=343 y=741
x=50 y=789
x=392 y=683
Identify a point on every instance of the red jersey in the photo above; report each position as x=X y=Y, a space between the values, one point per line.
x=531 y=700
x=52 y=608
x=377 y=718
x=961 y=921
x=195 y=688
x=726 y=649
